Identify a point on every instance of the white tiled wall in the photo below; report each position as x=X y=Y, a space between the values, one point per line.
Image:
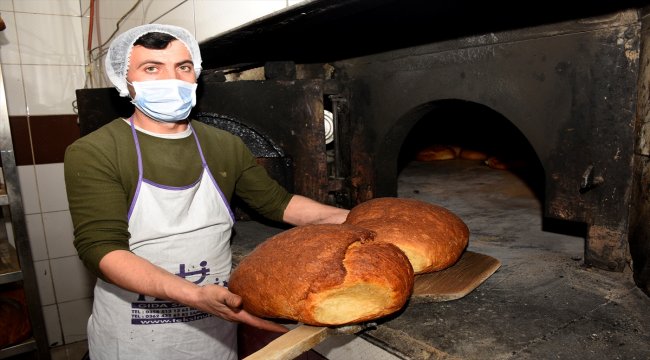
x=221 y=19
x=44 y=58
x=58 y=7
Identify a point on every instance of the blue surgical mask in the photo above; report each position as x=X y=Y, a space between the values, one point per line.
x=168 y=100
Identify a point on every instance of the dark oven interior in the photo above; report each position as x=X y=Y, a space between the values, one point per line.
x=551 y=86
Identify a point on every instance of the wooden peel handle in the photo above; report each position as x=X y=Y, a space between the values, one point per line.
x=291 y=344
x=301 y=339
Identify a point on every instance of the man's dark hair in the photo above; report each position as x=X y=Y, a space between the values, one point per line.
x=154 y=40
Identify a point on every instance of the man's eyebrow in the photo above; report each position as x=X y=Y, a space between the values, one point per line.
x=149 y=62
x=156 y=62
x=185 y=62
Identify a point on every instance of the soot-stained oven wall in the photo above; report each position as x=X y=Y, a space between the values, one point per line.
x=640 y=209
x=570 y=88
x=565 y=74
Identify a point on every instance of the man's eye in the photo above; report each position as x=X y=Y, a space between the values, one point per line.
x=185 y=68
x=150 y=69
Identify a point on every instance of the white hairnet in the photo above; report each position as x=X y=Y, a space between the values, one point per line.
x=119 y=53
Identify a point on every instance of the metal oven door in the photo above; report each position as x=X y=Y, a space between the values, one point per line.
x=278 y=120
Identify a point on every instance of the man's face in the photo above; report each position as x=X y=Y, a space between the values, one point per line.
x=172 y=62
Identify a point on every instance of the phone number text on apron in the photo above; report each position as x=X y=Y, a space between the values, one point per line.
x=163 y=312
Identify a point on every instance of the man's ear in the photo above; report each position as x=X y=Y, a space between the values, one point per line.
x=131 y=89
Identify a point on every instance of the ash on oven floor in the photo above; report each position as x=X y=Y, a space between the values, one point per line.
x=542 y=303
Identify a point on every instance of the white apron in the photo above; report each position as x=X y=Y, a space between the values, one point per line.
x=186 y=231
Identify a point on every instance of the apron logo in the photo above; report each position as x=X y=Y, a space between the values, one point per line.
x=203 y=272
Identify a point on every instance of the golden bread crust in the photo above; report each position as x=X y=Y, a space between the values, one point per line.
x=432 y=237
x=323 y=275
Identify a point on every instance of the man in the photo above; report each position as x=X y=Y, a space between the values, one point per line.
x=149 y=201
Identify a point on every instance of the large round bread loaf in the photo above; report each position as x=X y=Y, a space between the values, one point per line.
x=431 y=236
x=323 y=275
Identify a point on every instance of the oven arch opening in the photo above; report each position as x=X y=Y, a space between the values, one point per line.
x=472 y=126
x=499 y=204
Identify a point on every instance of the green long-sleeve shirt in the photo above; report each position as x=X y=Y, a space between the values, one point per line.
x=101 y=176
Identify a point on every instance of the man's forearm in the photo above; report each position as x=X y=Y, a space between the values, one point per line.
x=138 y=275
x=302 y=210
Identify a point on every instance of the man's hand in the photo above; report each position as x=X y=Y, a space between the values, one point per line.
x=219 y=301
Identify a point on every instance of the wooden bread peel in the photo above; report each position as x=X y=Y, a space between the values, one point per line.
x=452 y=283
x=456 y=281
